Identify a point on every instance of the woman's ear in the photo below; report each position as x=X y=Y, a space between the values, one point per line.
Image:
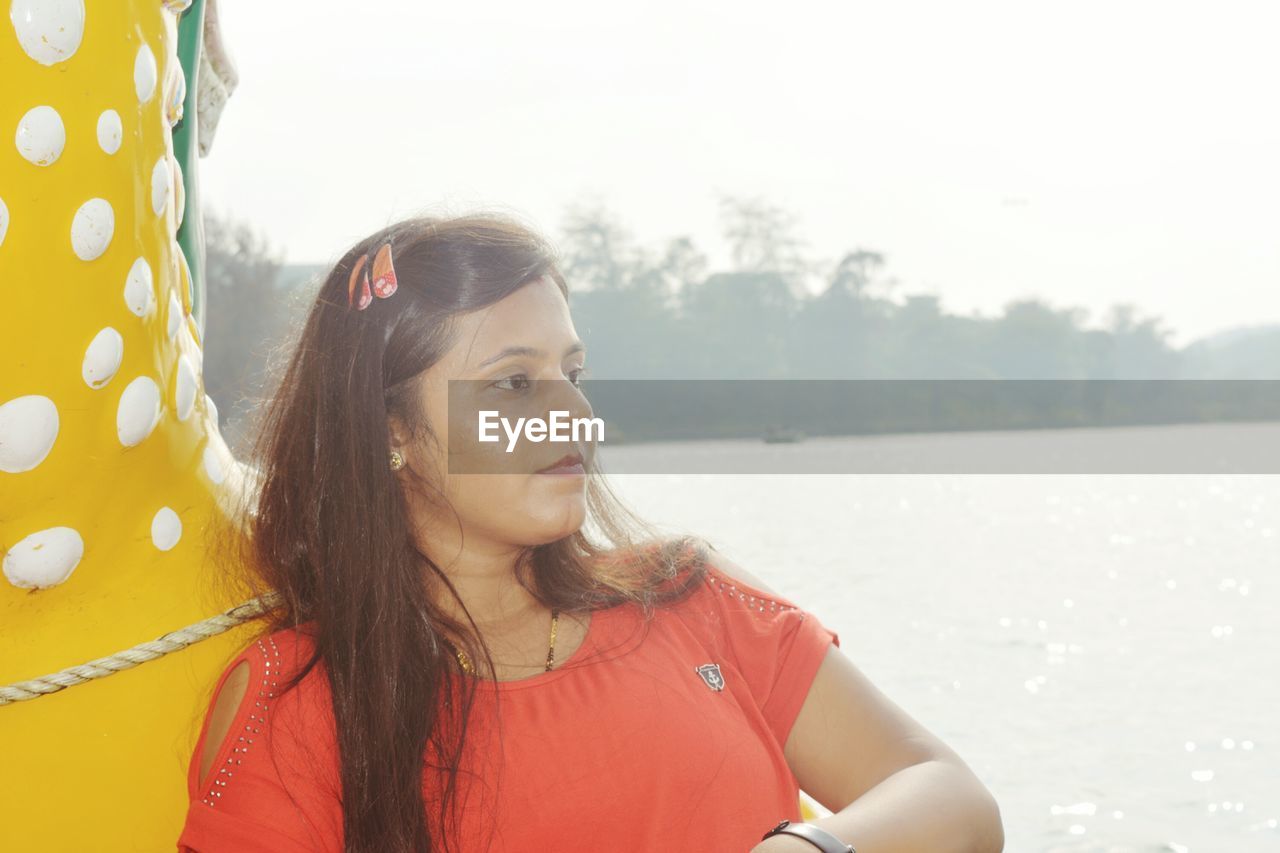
x=397 y=433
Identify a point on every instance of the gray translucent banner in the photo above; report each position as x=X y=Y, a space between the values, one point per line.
x=868 y=426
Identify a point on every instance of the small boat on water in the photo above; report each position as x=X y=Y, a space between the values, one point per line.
x=782 y=435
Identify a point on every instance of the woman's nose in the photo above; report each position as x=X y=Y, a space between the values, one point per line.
x=568 y=397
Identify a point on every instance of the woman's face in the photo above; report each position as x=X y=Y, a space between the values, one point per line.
x=520 y=357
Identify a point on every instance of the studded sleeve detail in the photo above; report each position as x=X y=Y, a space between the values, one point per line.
x=253 y=723
x=748 y=595
x=275 y=786
x=774 y=645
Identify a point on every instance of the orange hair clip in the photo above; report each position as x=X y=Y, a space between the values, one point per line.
x=384 y=279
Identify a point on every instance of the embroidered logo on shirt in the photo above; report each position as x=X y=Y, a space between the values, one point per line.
x=711 y=676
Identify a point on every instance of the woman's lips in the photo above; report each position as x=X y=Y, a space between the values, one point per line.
x=569 y=465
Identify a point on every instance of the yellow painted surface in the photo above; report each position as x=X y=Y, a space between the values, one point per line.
x=101 y=766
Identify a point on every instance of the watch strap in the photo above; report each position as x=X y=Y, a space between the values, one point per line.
x=815 y=835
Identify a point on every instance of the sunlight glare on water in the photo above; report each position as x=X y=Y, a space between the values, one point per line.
x=1101 y=650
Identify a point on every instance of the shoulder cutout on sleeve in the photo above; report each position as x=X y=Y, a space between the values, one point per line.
x=222 y=715
x=236 y=718
x=263 y=775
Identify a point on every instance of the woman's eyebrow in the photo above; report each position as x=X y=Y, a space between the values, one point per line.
x=575 y=347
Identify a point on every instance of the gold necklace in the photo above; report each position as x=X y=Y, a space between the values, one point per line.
x=551 y=649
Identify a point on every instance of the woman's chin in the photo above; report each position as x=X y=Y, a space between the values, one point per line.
x=559 y=517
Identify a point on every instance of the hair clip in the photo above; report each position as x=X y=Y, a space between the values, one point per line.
x=384 y=279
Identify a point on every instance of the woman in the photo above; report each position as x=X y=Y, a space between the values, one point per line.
x=457 y=664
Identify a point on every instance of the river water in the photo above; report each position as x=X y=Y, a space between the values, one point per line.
x=1102 y=650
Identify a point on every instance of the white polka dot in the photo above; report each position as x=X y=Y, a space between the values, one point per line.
x=92 y=229
x=4 y=220
x=179 y=194
x=28 y=428
x=185 y=388
x=102 y=358
x=213 y=464
x=48 y=30
x=177 y=6
x=176 y=94
x=44 y=559
x=190 y=331
x=166 y=529
x=110 y=131
x=41 y=135
x=212 y=409
x=160 y=185
x=175 y=315
x=184 y=273
x=144 y=74
x=138 y=412
x=139 y=288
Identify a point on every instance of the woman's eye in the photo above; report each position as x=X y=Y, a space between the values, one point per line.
x=518 y=382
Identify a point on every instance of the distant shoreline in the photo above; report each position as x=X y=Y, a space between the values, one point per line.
x=660 y=410
x=1231 y=448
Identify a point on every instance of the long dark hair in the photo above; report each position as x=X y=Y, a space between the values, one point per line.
x=325 y=523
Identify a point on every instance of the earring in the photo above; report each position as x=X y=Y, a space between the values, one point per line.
x=397 y=461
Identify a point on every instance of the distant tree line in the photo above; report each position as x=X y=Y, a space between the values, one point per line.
x=775 y=313
x=662 y=314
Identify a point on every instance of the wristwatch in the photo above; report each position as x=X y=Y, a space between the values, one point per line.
x=815 y=835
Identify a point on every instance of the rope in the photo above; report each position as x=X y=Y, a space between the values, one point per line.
x=172 y=642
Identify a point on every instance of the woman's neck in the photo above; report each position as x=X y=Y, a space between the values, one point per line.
x=485 y=580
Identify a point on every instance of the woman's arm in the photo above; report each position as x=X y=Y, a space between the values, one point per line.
x=893 y=786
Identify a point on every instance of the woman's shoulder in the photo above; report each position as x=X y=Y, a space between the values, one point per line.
x=277 y=658
x=285 y=670
x=265 y=762
x=709 y=578
x=271 y=700
x=291 y=643
x=272 y=678
x=771 y=645
x=731 y=608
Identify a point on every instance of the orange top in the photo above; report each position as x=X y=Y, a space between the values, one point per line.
x=665 y=739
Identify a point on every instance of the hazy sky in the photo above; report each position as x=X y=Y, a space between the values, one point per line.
x=1088 y=153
